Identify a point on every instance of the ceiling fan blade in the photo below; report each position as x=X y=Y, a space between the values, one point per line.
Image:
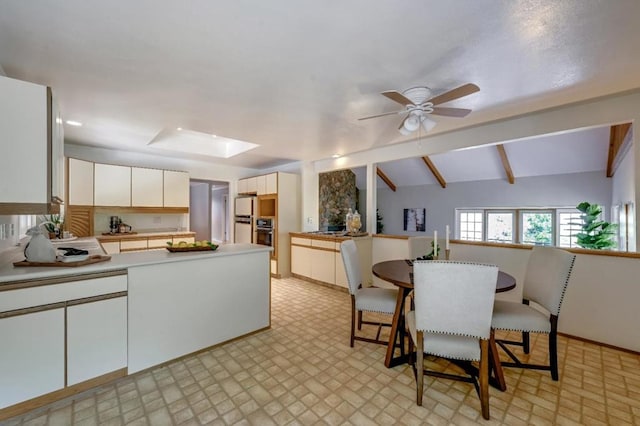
x=382 y=115
x=451 y=112
x=456 y=93
x=397 y=97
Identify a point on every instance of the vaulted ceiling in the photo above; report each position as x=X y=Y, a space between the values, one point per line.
x=294 y=76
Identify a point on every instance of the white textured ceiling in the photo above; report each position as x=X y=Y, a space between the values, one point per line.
x=294 y=76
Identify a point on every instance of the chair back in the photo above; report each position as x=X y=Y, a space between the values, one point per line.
x=547 y=276
x=454 y=297
x=349 y=253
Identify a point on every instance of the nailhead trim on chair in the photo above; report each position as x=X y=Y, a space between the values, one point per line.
x=566 y=283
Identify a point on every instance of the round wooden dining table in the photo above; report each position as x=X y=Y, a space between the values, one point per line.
x=400 y=273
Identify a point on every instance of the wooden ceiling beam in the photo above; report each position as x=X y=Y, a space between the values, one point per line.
x=617 y=134
x=386 y=179
x=505 y=163
x=436 y=174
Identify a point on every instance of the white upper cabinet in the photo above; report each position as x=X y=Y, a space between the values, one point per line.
x=112 y=186
x=30 y=165
x=80 y=182
x=271 y=183
x=176 y=189
x=242 y=186
x=146 y=187
x=252 y=185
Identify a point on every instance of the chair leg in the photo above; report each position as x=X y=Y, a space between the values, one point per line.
x=359 y=320
x=353 y=320
x=419 y=366
x=553 y=348
x=483 y=377
x=525 y=342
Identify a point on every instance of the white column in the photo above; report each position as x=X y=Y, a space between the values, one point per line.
x=309 y=196
x=372 y=203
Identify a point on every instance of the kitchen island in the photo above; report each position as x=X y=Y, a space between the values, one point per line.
x=65 y=330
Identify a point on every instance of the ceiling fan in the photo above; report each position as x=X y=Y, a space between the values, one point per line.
x=419 y=104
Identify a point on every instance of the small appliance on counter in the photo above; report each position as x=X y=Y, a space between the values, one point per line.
x=116 y=226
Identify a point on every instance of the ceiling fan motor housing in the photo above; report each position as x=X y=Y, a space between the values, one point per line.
x=417 y=95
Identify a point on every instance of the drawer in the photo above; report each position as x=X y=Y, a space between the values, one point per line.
x=133 y=245
x=331 y=245
x=159 y=242
x=301 y=241
x=54 y=293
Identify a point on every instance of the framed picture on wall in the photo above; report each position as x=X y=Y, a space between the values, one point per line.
x=414 y=220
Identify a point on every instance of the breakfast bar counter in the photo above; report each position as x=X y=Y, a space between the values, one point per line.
x=68 y=329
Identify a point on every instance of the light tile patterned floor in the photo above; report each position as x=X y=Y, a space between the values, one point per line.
x=302 y=371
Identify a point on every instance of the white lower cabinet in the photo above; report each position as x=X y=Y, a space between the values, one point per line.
x=96 y=339
x=323 y=264
x=32 y=355
x=300 y=260
x=111 y=247
x=341 y=275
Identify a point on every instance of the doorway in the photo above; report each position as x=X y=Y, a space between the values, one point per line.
x=208 y=210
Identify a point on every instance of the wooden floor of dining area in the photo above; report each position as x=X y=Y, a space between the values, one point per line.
x=302 y=371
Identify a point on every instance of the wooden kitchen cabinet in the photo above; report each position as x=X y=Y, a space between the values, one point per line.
x=341 y=274
x=32 y=355
x=252 y=185
x=176 y=189
x=242 y=186
x=112 y=185
x=80 y=180
x=96 y=346
x=146 y=187
x=30 y=122
x=267 y=184
x=133 y=245
x=111 y=247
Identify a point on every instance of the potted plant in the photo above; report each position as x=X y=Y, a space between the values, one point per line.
x=379 y=224
x=53 y=224
x=596 y=234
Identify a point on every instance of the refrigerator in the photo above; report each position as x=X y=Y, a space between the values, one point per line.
x=243 y=224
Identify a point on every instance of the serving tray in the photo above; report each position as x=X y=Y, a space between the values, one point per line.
x=199 y=248
x=93 y=259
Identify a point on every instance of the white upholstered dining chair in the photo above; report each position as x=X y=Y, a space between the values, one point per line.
x=367 y=299
x=452 y=319
x=545 y=283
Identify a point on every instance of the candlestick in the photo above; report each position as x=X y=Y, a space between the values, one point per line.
x=446 y=241
x=447 y=252
x=435 y=244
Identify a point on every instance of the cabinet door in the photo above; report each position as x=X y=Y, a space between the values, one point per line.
x=146 y=187
x=96 y=339
x=242 y=186
x=176 y=189
x=341 y=275
x=57 y=153
x=32 y=355
x=80 y=182
x=271 y=183
x=112 y=185
x=252 y=185
x=111 y=247
x=261 y=184
x=323 y=265
x=301 y=261
x=23 y=123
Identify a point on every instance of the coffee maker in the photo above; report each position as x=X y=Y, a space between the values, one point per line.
x=114 y=224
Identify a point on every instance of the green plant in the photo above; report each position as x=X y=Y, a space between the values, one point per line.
x=430 y=256
x=52 y=222
x=596 y=234
x=379 y=224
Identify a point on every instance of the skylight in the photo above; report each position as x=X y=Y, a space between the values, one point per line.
x=190 y=141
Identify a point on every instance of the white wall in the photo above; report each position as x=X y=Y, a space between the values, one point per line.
x=539 y=191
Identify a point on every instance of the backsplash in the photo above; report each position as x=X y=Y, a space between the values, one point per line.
x=338 y=193
x=144 y=222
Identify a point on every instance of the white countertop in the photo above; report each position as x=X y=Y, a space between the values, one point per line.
x=9 y=273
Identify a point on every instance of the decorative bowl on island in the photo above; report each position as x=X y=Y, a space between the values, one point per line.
x=181 y=246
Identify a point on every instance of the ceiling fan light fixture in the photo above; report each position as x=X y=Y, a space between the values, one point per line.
x=411 y=123
x=427 y=123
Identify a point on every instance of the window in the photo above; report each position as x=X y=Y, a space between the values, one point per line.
x=548 y=227
x=537 y=227
x=568 y=227
x=500 y=226
x=470 y=224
